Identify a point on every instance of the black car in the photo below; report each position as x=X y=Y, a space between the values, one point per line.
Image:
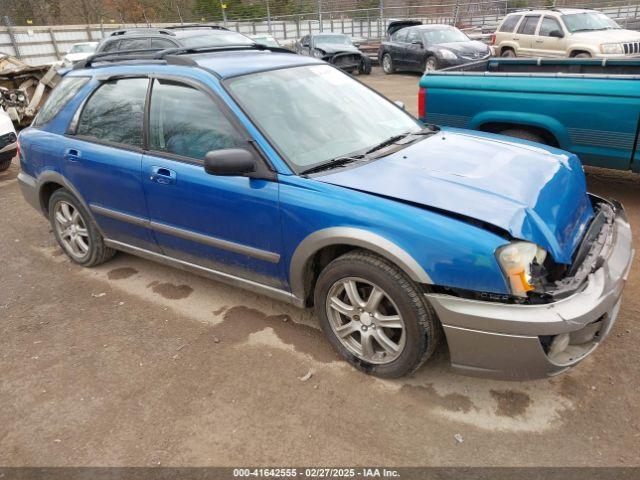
x=416 y=47
x=189 y=36
x=337 y=49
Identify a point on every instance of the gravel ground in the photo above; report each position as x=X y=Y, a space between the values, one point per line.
x=134 y=364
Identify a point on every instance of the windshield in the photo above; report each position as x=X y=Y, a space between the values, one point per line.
x=444 y=35
x=317 y=113
x=267 y=41
x=83 y=48
x=582 y=22
x=216 y=39
x=333 y=39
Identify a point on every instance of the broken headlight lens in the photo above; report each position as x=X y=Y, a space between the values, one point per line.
x=517 y=260
x=318 y=53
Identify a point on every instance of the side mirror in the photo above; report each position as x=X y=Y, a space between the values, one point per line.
x=356 y=44
x=231 y=162
x=400 y=104
x=556 y=34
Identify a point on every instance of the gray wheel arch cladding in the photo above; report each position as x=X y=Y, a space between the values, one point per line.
x=354 y=237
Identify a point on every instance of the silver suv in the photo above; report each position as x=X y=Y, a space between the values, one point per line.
x=563 y=32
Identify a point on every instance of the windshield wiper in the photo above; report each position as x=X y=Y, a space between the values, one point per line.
x=333 y=163
x=395 y=138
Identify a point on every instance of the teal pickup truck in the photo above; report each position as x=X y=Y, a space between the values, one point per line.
x=588 y=107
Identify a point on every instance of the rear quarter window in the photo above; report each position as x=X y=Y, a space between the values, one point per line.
x=58 y=98
x=510 y=23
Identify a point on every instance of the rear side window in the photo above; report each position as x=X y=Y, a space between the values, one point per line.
x=510 y=23
x=187 y=122
x=401 y=35
x=548 y=25
x=115 y=112
x=413 y=36
x=110 y=46
x=528 y=25
x=58 y=98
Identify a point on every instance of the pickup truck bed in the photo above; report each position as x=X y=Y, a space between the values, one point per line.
x=588 y=107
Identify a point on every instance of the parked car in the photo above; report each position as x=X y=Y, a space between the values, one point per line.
x=564 y=32
x=579 y=105
x=188 y=36
x=266 y=40
x=337 y=49
x=8 y=138
x=416 y=47
x=79 y=51
x=281 y=174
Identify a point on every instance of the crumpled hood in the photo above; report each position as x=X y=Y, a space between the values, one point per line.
x=331 y=48
x=534 y=193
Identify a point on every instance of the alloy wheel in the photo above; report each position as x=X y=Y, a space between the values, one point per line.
x=72 y=230
x=386 y=63
x=365 y=320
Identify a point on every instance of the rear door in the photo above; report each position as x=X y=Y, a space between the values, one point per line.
x=103 y=158
x=225 y=223
x=397 y=47
x=525 y=35
x=546 y=45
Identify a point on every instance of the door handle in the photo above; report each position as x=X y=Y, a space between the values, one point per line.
x=163 y=176
x=72 y=154
x=539 y=41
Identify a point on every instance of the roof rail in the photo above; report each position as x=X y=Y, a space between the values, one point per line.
x=197 y=25
x=126 y=31
x=151 y=54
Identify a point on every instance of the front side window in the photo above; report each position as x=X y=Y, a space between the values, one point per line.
x=313 y=114
x=58 y=98
x=510 y=23
x=548 y=25
x=162 y=44
x=444 y=35
x=185 y=121
x=134 y=44
x=588 y=21
x=215 y=39
x=110 y=46
x=529 y=24
x=115 y=112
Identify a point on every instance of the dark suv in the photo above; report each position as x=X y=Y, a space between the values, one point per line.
x=189 y=36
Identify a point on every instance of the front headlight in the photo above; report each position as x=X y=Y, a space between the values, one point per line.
x=611 y=48
x=448 y=55
x=516 y=260
x=318 y=53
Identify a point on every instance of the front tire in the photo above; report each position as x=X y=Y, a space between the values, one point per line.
x=431 y=64
x=374 y=315
x=75 y=231
x=5 y=164
x=387 y=64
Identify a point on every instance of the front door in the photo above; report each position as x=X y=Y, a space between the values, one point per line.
x=103 y=158
x=547 y=43
x=228 y=224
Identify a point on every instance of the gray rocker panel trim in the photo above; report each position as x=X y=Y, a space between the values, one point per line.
x=358 y=238
x=189 y=235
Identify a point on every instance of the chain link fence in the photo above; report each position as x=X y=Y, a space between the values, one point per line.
x=40 y=31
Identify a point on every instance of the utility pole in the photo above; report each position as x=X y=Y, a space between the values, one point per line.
x=320 y=14
x=381 y=27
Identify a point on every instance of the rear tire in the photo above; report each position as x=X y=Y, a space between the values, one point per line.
x=75 y=231
x=365 y=66
x=582 y=55
x=375 y=316
x=5 y=164
x=387 y=64
x=508 y=53
x=524 y=135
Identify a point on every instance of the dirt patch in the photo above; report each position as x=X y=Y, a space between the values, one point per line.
x=220 y=310
x=121 y=273
x=171 y=291
x=427 y=395
x=240 y=322
x=511 y=403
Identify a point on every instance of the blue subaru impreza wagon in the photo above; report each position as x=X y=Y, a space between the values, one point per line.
x=280 y=174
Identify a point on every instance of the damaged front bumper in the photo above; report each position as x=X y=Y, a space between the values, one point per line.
x=345 y=61
x=518 y=341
